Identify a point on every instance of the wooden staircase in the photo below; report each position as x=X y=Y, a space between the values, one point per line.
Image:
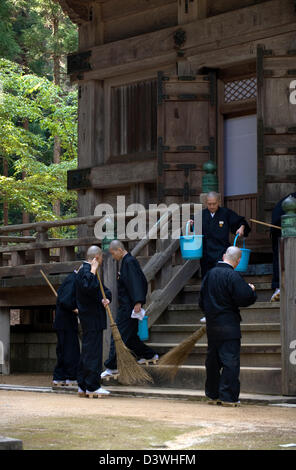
x=261 y=345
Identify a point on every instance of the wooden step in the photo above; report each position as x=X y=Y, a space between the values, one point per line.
x=252 y=355
x=265 y=380
x=260 y=312
x=191 y=292
x=251 y=333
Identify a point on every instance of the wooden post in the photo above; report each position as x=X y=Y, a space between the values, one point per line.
x=109 y=268
x=5 y=340
x=288 y=314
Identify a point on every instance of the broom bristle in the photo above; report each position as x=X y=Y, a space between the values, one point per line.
x=178 y=355
x=130 y=372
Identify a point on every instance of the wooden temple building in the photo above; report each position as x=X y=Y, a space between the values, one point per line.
x=165 y=86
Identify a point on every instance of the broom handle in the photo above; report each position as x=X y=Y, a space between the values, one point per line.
x=105 y=298
x=264 y=223
x=49 y=283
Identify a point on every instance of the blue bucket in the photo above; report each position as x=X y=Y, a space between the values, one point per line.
x=244 y=262
x=191 y=245
x=143 y=331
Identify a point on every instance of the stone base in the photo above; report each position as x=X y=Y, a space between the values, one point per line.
x=8 y=443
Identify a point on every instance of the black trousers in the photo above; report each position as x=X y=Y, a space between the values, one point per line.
x=68 y=354
x=207 y=264
x=90 y=364
x=128 y=329
x=276 y=264
x=222 y=370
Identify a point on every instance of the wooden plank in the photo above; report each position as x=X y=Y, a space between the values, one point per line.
x=288 y=314
x=115 y=175
x=118 y=9
x=164 y=297
x=34 y=269
x=142 y=22
x=147 y=49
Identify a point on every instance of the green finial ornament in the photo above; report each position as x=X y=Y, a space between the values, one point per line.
x=289 y=219
x=209 y=179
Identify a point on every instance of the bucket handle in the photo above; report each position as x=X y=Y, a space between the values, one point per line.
x=235 y=240
x=187 y=230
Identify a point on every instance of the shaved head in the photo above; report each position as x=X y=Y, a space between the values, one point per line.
x=93 y=252
x=233 y=255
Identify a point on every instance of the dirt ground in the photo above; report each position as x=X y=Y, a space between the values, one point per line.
x=57 y=421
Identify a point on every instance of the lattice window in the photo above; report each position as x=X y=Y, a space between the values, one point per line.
x=240 y=90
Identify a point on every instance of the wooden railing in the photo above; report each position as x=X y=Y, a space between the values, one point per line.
x=161 y=260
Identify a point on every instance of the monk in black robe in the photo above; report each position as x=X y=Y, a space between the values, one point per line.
x=66 y=326
x=223 y=292
x=275 y=234
x=217 y=223
x=92 y=314
x=132 y=291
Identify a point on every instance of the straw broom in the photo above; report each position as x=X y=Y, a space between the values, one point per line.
x=178 y=355
x=130 y=372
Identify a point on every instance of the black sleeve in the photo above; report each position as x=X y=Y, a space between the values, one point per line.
x=235 y=221
x=88 y=283
x=242 y=294
x=135 y=282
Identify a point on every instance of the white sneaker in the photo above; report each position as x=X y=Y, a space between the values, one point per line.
x=71 y=383
x=109 y=373
x=153 y=360
x=58 y=383
x=203 y=320
x=101 y=392
x=81 y=393
x=276 y=296
x=233 y=404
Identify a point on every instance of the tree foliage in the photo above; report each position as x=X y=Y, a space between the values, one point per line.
x=49 y=112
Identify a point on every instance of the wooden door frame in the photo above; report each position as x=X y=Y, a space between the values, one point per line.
x=224 y=110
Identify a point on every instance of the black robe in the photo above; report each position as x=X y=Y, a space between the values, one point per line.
x=132 y=286
x=92 y=313
x=65 y=318
x=216 y=232
x=223 y=291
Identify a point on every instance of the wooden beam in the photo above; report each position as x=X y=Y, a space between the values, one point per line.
x=164 y=297
x=288 y=314
x=120 y=174
x=228 y=29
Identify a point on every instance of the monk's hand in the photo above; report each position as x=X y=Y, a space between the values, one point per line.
x=76 y=311
x=241 y=231
x=105 y=302
x=252 y=286
x=137 y=308
x=94 y=265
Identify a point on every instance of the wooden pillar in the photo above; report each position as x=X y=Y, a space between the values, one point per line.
x=109 y=269
x=288 y=314
x=5 y=340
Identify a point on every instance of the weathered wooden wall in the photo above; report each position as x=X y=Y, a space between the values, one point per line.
x=129 y=41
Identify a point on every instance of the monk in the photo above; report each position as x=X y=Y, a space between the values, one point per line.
x=132 y=291
x=223 y=292
x=92 y=315
x=66 y=326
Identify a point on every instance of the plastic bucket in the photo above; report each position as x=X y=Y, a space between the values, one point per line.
x=143 y=331
x=191 y=245
x=244 y=262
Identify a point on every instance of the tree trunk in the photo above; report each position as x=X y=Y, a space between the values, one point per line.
x=57 y=81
